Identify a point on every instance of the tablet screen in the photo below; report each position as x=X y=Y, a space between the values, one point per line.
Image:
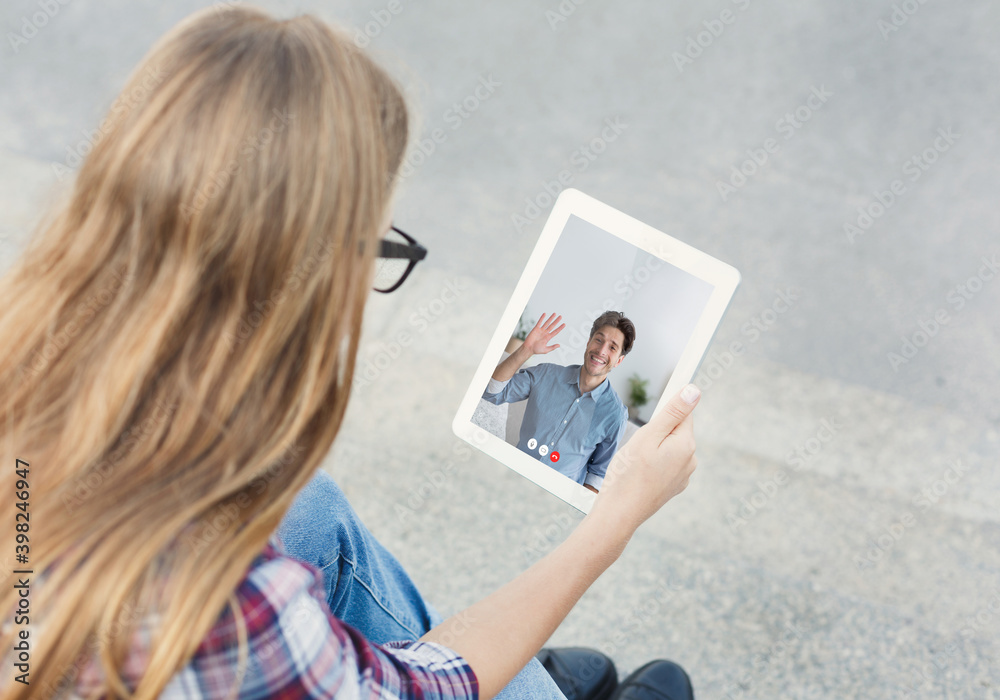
x=581 y=359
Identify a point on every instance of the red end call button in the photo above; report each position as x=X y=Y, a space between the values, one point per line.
x=554 y=457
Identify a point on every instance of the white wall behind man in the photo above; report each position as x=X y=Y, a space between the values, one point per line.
x=590 y=271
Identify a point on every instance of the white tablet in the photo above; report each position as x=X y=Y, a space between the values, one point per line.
x=608 y=321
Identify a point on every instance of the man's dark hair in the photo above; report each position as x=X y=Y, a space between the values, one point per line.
x=616 y=319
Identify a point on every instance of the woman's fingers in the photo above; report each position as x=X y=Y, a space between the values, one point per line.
x=677 y=410
x=655 y=465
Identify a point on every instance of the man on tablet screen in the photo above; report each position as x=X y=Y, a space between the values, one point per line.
x=574 y=420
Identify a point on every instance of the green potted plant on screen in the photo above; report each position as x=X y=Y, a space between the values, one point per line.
x=637 y=395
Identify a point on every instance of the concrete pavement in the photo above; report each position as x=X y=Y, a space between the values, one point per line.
x=841 y=536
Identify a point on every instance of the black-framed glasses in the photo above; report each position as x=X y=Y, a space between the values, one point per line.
x=398 y=254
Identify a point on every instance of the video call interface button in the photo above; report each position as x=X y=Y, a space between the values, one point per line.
x=532 y=443
x=543 y=450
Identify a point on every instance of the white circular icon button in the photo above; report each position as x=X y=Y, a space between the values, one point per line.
x=543 y=450
x=532 y=443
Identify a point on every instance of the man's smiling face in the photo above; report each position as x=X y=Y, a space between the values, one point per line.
x=604 y=351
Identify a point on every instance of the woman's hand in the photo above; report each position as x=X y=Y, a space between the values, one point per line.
x=498 y=635
x=650 y=469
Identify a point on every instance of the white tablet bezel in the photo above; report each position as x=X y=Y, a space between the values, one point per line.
x=571 y=202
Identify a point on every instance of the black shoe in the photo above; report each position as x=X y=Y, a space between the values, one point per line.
x=657 y=680
x=581 y=674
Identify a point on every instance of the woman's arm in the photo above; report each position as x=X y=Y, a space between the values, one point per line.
x=498 y=635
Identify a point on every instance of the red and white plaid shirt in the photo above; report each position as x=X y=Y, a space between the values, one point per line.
x=298 y=649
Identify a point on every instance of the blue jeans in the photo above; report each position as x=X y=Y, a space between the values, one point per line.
x=366 y=586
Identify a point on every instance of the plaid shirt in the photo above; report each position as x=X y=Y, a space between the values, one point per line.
x=298 y=649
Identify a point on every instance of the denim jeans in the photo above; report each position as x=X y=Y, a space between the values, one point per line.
x=366 y=586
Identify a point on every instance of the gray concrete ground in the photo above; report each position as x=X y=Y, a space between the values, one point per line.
x=826 y=575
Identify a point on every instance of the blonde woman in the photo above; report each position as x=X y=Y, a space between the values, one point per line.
x=180 y=339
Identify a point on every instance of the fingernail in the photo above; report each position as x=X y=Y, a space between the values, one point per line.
x=690 y=393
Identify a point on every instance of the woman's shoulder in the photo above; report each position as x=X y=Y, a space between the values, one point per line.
x=278 y=594
x=277 y=604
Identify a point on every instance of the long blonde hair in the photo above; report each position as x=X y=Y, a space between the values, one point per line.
x=180 y=336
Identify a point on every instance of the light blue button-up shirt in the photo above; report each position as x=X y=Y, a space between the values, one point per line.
x=584 y=429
